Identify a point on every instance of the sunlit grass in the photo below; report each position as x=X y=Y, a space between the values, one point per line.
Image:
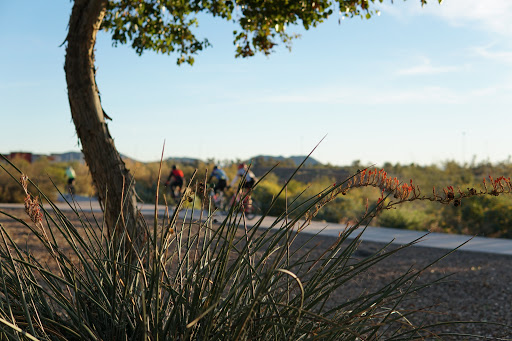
x=182 y=278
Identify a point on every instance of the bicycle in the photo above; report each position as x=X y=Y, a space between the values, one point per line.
x=174 y=192
x=248 y=204
x=250 y=208
x=218 y=200
x=71 y=187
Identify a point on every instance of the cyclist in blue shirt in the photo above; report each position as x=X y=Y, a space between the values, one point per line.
x=222 y=179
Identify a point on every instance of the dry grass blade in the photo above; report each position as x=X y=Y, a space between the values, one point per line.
x=192 y=279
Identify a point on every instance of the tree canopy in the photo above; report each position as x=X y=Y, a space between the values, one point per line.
x=169 y=26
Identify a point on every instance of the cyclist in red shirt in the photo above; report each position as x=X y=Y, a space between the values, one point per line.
x=175 y=182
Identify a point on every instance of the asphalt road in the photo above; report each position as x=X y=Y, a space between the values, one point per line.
x=372 y=233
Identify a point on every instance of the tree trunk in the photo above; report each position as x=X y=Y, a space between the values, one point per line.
x=113 y=181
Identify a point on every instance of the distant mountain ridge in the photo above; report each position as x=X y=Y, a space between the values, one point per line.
x=297 y=159
x=261 y=160
x=68 y=157
x=187 y=160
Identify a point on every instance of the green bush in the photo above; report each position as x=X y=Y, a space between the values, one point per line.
x=498 y=219
x=403 y=219
x=264 y=195
x=484 y=216
x=186 y=279
x=48 y=175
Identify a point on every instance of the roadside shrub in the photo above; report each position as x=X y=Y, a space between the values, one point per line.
x=403 y=219
x=498 y=219
x=10 y=191
x=183 y=278
x=484 y=216
x=264 y=194
x=49 y=176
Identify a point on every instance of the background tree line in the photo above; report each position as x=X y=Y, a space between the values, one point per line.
x=485 y=216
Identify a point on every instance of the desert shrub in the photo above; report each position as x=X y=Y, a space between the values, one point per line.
x=498 y=219
x=342 y=210
x=49 y=176
x=186 y=279
x=10 y=192
x=264 y=194
x=484 y=216
x=403 y=219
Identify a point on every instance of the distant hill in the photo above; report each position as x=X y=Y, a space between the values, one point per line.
x=68 y=157
x=309 y=162
x=187 y=160
x=288 y=166
x=260 y=161
x=268 y=160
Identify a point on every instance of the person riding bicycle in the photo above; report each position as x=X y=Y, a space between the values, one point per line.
x=222 y=179
x=217 y=188
x=250 y=178
x=175 y=181
x=70 y=173
x=249 y=181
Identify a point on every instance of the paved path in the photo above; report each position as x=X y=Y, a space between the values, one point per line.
x=373 y=234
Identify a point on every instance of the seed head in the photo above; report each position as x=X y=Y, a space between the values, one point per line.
x=31 y=204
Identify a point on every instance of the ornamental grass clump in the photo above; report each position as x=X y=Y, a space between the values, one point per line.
x=182 y=277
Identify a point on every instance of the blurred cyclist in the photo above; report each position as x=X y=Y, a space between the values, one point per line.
x=249 y=181
x=244 y=171
x=70 y=173
x=175 y=182
x=222 y=179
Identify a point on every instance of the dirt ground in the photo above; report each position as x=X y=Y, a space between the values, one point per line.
x=479 y=288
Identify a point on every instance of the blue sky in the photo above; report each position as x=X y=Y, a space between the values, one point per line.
x=414 y=84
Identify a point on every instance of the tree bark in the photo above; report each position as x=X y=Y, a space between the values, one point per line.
x=113 y=181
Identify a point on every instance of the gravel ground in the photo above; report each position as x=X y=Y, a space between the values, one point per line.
x=479 y=288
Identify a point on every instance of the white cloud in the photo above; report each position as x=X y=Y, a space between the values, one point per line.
x=492 y=15
x=485 y=92
x=426 y=95
x=497 y=55
x=426 y=68
x=366 y=97
x=489 y=15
